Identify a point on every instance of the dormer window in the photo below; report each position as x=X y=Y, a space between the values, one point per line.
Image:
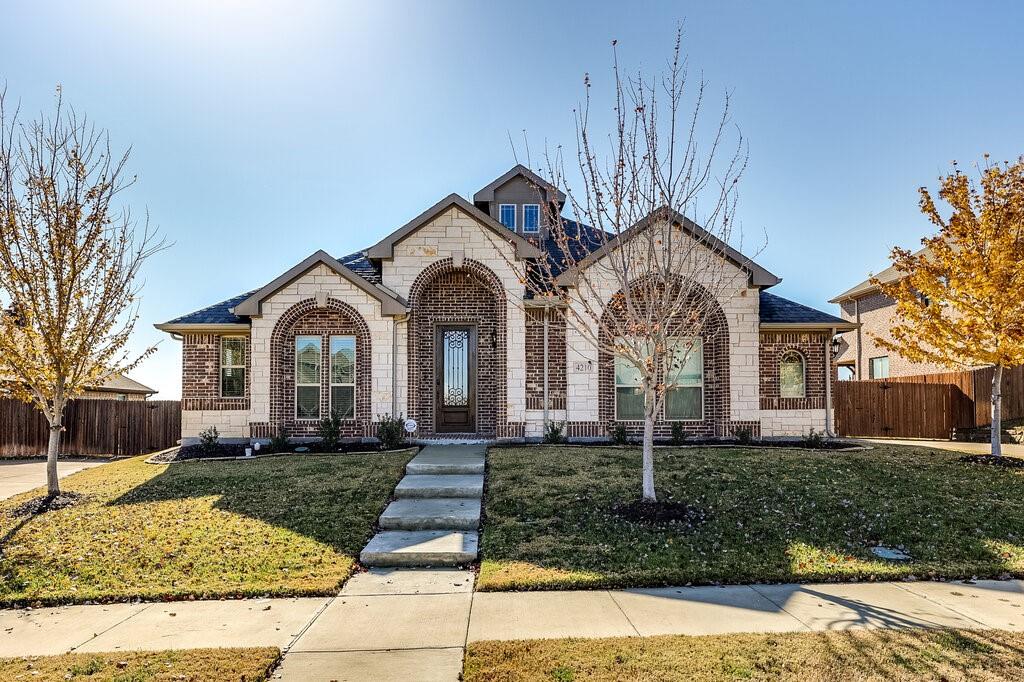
x=507 y=215
x=531 y=217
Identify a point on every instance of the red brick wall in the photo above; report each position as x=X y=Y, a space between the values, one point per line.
x=200 y=374
x=812 y=347
x=305 y=319
x=471 y=294
x=535 y=359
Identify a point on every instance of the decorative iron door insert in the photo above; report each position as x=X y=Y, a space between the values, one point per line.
x=455 y=379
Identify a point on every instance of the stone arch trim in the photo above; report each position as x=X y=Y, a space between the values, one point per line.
x=717 y=396
x=469 y=293
x=337 y=318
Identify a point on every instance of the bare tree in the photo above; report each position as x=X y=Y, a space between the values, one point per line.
x=69 y=259
x=645 y=284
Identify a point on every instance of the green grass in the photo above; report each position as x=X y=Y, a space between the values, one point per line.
x=892 y=655
x=274 y=526
x=195 y=665
x=772 y=515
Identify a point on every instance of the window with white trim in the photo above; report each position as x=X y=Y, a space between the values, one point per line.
x=343 y=377
x=531 y=217
x=307 y=377
x=684 y=379
x=629 y=392
x=232 y=366
x=879 y=368
x=792 y=375
x=507 y=215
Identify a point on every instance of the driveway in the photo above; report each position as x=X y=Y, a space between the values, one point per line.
x=18 y=476
x=1012 y=449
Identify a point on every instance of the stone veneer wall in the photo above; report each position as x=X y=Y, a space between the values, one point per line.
x=471 y=294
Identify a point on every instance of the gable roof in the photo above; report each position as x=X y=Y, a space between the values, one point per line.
x=487 y=193
x=385 y=248
x=781 y=312
x=759 y=277
x=390 y=303
x=119 y=383
x=890 y=274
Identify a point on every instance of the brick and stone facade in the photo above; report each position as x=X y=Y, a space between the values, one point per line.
x=780 y=415
x=453 y=265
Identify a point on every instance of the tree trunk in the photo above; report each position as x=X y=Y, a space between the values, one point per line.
x=997 y=411
x=648 y=459
x=52 y=485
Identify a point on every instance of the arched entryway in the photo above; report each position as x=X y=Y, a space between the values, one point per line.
x=457 y=349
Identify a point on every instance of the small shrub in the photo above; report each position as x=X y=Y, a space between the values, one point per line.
x=678 y=433
x=553 y=433
x=208 y=440
x=745 y=436
x=391 y=431
x=814 y=440
x=278 y=442
x=329 y=431
x=618 y=432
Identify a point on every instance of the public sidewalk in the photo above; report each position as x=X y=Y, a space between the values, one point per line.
x=21 y=475
x=399 y=624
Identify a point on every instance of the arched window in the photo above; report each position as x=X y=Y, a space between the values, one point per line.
x=792 y=377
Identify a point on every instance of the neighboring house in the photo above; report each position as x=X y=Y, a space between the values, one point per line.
x=434 y=322
x=119 y=387
x=859 y=353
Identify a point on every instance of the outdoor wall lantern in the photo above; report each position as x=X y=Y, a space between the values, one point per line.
x=836 y=343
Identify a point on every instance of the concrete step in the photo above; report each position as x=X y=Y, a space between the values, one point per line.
x=441 y=485
x=448 y=459
x=420 y=548
x=448 y=513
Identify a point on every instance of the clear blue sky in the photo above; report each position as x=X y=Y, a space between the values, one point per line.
x=264 y=131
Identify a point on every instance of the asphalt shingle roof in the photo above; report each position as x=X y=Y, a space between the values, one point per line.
x=778 y=310
x=583 y=239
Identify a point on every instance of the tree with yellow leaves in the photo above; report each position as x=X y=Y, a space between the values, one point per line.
x=69 y=258
x=961 y=301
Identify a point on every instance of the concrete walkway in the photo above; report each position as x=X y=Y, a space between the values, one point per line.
x=1012 y=449
x=400 y=624
x=435 y=517
x=19 y=476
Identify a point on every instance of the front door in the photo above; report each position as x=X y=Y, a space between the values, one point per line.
x=455 y=401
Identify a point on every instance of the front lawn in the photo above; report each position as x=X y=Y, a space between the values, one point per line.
x=194 y=665
x=769 y=515
x=279 y=526
x=895 y=655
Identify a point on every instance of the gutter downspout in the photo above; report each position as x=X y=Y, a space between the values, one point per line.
x=545 y=370
x=828 y=382
x=856 y=314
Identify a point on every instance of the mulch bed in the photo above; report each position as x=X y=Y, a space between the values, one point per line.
x=44 y=503
x=238 y=450
x=993 y=461
x=661 y=513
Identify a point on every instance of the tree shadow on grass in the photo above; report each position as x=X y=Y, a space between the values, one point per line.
x=334 y=500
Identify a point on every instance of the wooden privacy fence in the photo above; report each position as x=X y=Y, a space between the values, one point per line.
x=92 y=427
x=890 y=410
x=925 y=405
